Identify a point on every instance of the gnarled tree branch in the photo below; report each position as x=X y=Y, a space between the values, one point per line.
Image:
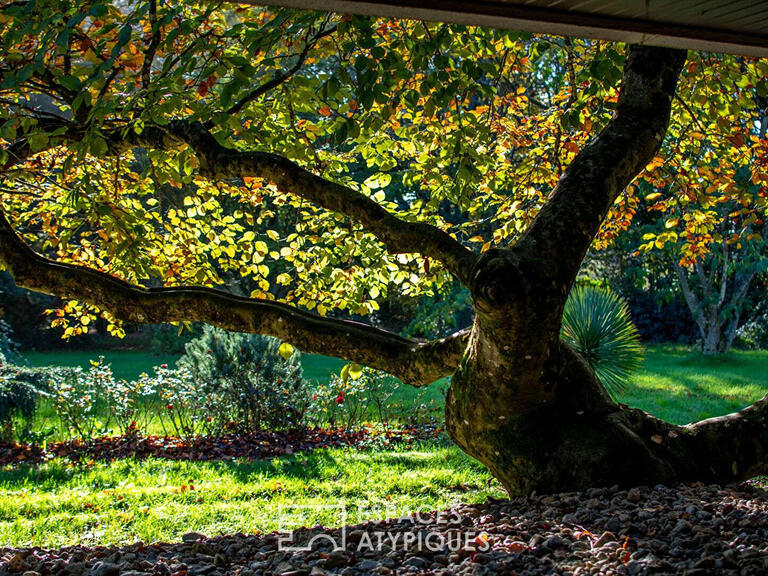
x=220 y=162
x=414 y=362
x=565 y=227
x=399 y=236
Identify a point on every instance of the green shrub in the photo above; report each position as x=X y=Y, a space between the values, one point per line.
x=753 y=335
x=183 y=407
x=597 y=323
x=21 y=388
x=9 y=348
x=244 y=383
x=18 y=400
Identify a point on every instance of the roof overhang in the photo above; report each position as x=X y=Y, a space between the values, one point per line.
x=738 y=26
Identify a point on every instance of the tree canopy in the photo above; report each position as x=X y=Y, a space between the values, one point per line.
x=312 y=163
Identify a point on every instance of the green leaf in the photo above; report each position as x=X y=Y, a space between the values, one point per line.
x=353 y=371
x=98 y=146
x=38 y=141
x=378 y=181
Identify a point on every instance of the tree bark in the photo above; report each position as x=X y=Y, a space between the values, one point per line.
x=416 y=363
x=580 y=438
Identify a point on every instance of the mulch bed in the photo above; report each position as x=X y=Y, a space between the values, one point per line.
x=695 y=530
x=253 y=446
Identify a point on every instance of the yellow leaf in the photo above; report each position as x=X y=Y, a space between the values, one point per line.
x=355 y=371
x=285 y=350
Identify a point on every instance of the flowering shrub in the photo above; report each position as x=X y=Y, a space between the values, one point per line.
x=181 y=405
x=74 y=395
x=131 y=405
x=353 y=400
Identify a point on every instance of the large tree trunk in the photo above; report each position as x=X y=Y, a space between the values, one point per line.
x=712 y=342
x=555 y=429
x=529 y=407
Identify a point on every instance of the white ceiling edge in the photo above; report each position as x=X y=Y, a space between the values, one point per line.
x=687 y=39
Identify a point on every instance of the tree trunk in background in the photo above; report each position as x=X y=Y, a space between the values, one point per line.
x=717 y=302
x=712 y=339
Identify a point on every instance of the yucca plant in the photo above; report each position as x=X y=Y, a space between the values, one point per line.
x=597 y=323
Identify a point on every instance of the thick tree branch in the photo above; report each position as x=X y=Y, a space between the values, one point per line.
x=724 y=276
x=399 y=236
x=704 y=280
x=415 y=363
x=722 y=449
x=564 y=228
x=691 y=300
x=220 y=162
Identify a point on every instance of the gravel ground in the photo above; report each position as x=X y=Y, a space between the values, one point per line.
x=691 y=529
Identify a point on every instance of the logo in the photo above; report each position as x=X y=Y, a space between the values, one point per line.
x=437 y=532
x=303 y=515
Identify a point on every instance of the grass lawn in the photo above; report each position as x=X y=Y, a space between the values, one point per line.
x=126 y=364
x=681 y=386
x=129 y=364
x=59 y=504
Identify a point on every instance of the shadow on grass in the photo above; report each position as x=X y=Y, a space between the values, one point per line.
x=319 y=464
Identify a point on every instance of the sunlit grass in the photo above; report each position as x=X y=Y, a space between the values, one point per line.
x=124 y=501
x=682 y=386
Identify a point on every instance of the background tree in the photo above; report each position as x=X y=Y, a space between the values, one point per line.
x=711 y=192
x=509 y=153
x=715 y=287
